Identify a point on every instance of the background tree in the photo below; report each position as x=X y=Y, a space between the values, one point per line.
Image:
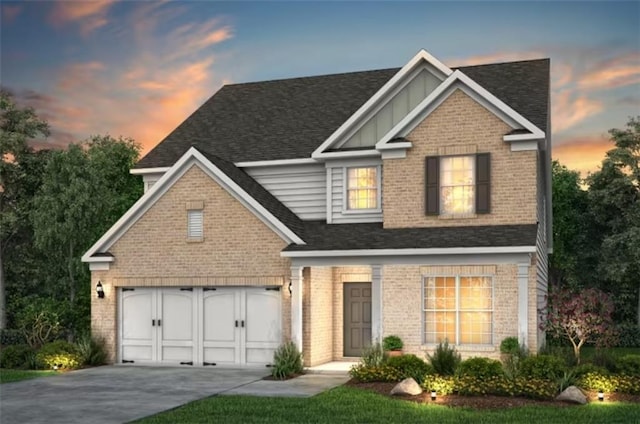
x=17 y=126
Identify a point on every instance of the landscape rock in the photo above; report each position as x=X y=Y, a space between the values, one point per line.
x=572 y=394
x=408 y=386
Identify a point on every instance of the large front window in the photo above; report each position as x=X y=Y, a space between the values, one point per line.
x=458 y=309
x=457 y=185
x=362 y=188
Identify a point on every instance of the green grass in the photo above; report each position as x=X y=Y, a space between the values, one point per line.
x=351 y=405
x=9 y=376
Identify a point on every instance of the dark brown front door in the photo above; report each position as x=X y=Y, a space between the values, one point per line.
x=357 y=318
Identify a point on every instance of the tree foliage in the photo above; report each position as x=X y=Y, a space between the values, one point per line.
x=579 y=316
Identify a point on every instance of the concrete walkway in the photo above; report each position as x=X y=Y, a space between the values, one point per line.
x=118 y=394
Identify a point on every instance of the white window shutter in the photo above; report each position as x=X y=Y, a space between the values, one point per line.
x=194 y=224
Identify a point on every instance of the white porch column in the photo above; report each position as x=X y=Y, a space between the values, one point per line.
x=523 y=303
x=296 y=305
x=376 y=303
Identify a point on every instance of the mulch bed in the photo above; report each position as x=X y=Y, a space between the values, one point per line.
x=482 y=402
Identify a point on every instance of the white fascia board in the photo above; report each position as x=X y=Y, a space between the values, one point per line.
x=407 y=252
x=163 y=185
x=279 y=162
x=444 y=90
x=350 y=154
x=143 y=171
x=98 y=259
x=420 y=57
x=523 y=146
x=396 y=146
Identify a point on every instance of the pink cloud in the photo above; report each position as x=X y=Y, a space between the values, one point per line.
x=582 y=153
x=10 y=13
x=89 y=15
x=569 y=109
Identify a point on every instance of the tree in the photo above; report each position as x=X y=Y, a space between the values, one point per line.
x=85 y=189
x=17 y=126
x=614 y=204
x=580 y=316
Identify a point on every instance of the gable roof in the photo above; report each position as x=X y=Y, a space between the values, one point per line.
x=235 y=181
x=290 y=118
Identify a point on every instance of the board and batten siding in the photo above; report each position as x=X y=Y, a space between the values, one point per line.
x=301 y=188
x=336 y=209
x=394 y=110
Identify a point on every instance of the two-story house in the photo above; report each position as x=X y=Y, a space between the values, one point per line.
x=332 y=211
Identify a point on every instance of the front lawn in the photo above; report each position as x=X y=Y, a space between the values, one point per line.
x=8 y=376
x=350 y=405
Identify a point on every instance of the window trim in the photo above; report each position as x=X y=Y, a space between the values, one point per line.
x=457 y=311
x=345 y=190
x=190 y=237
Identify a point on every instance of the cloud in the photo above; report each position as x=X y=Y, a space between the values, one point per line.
x=89 y=15
x=10 y=13
x=569 y=109
x=612 y=73
x=582 y=153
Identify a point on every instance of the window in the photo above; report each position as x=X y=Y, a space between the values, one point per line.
x=457 y=185
x=459 y=309
x=194 y=224
x=362 y=188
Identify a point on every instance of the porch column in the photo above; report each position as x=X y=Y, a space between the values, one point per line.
x=523 y=303
x=376 y=303
x=296 y=305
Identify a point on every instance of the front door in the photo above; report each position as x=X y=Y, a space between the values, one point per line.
x=357 y=318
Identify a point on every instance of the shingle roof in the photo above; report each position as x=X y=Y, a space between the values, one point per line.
x=290 y=118
x=322 y=236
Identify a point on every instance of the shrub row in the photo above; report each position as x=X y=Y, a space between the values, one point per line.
x=494 y=385
x=58 y=354
x=621 y=383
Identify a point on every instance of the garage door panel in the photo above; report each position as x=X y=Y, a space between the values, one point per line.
x=220 y=316
x=220 y=355
x=177 y=316
x=259 y=356
x=137 y=308
x=137 y=353
x=263 y=317
x=177 y=353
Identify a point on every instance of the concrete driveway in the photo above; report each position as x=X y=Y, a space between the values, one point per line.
x=114 y=394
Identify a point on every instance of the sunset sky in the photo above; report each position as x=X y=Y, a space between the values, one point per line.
x=138 y=68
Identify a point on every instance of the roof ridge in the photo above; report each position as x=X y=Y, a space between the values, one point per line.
x=542 y=59
x=313 y=76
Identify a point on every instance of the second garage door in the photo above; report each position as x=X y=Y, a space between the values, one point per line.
x=211 y=326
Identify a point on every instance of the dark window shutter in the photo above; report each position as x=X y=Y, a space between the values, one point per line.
x=483 y=183
x=432 y=185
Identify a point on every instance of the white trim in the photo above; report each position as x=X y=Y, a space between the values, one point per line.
x=406 y=252
x=345 y=190
x=376 y=303
x=459 y=80
x=143 y=171
x=523 y=303
x=421 y=57
x=329 y=195
x=520 y=137
x=99 y=266
x=297 y=288
x=98 y=259
x=351 y=154
x=276 y=162
x=523 y=146
x=394 y=154
x=191 y=157
x=397 y=145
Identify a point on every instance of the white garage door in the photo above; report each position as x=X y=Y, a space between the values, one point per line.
x=200 y=326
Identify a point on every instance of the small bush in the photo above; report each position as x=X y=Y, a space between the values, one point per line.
x=373 y=356
x=410 y=366
x=392 y=343
x=39 y=322
x=445 y=359
x=595 y=382
x=584 y=369
x=568 y=378
x=629 y=364
x=510 y=346
x=443 y=385
x=382 y=373
x=92 y=351
x=11 y=337
x=545 y=367
x=628 y=335
x=481 y=368
x=287 y=361
x=16 y=357
x=60 y=354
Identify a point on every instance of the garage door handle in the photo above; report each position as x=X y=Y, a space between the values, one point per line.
x=153 y=322
x=236 y=323
x=242 y=324
x=159 y=321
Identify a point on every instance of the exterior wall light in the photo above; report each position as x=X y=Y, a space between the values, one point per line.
x=290 y=287
x=100 y=290
x=433 y=395
x=600 y=395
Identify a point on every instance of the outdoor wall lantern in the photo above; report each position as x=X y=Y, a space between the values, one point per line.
x=600 y=395
x=433 y=395
x=290 y=287
x=100 y=290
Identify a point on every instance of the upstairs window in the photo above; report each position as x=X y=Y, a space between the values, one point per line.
x=457 y=185
x=363 y=188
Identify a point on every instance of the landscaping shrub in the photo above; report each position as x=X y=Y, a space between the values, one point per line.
x=60 y=354
x=367 y=374
x=629 y=364
x=392 y=343
x=583 y=369
x=373 y=356
x=480 y=368
x=11 y=337
x=92 y=351
x=544 y=367
x=568 y=378
x=606 y=359
x=510 y=346
x=287 y=361
x=17 y=356
x=496 y=385
x=410 y=366
x=443 y=385
x=628 y=335
x=445 y=359
x=39 y=322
